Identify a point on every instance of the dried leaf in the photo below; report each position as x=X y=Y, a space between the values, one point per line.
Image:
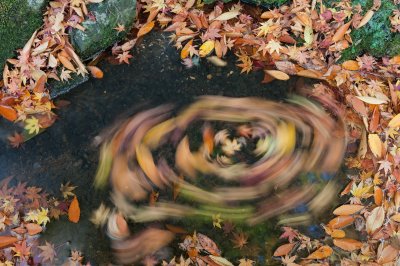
x=351 y=65
x=375 y=219
x=337 y=233
x=348 y=209
x=33 y=228
x=74 y=211
x=375 y=144
x=396 y=217
x=284 y=249
x=395 y=121
x=321 y=253
x=217 y=61
x=347 y=244
x=378 y=195
x=146 y=28
x=185 y=49
x=340 y=222
x=220 y=261
x=277 y=74
x=367 y=17
x=387 y=255
x=6 y=241
x=309 y=73
x=66 y=63
x=8 y=112
x=339 y=34
x=206 y=48
x=374 y=124
x=371 y=100
x=228 y=15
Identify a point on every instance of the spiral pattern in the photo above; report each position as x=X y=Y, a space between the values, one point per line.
x=248 y=150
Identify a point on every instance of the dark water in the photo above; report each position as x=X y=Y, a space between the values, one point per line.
x=64 y=152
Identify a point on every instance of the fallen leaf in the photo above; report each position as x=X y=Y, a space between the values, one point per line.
x=395 y=121
x=321 y=253
x=375 y=144
x=146 y=28
x=206 y=48
x=228 y=15
x=74 y=211
x=185 y=49
x=375 y=219
x=340 y=222
x=371 y=100
x=387 y=255
x=351 y=65
x=33 y=228
x=8 y=112
x=6 y=241
x=48 y=252
x=96 y=72
x=348 y=209
x=367 y=17
x=339 y=34
x=284 y=249
x=347 y=244
x=396 y=217
x=277 y=74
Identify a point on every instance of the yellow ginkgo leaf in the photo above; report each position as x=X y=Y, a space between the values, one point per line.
x=206 y=48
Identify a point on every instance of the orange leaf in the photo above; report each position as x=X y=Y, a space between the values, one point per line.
x=348 y=209
x=96 y=72
x=7 y=241
x=74 y=211
x=277 y=74
x=321 y=253
x=347 y=244
x=375 y=219
x=185 y=49
x=284 y=249
x=146 y=28
x=337 y=233
x=395 y=60
x=33 y=228
x=39 y=86
x=378 y=195
x=8 y=112
x=339 y=34
x=341 y=221
x=309 y=73
x=351 y=65
x=396 y=217
x=66 y=63
x=366 y=18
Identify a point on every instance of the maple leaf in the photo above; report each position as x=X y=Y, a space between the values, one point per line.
x=246 y=65
x=187 y=62
x=289 y=261
x=67 y=189
x=265 y=28
x=246 y=262
x=124 y=57
x=229 y=147
x=22 y=250
x=76 y=256
x=48 y=252
x=239 y=239
x=217 y=220
x=16 y=140
x=31 y=216
x=289 y=233
x=385 y=165
x=120 y=28
x=42 y=218
x=228 y=227
x=274 y=46
x=32 y=125
x=65 y=74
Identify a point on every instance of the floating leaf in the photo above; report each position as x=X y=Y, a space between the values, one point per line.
x=206 y=48
x=371 y=100
x=351 y=65
x=216 y=61
x=375 y=144
x=284 y=249
x=185 y=49
x=7 y=241
x=33 y=228
x=348 y=209
x=347 y=244
x=278 y=74
x=146 y=28
x=321 y=253
x=96 y=72
x=375 y=219
x=74 y=211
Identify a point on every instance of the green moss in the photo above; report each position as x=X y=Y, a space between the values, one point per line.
x=100 y=34
x=18 y=20
x=375 y=37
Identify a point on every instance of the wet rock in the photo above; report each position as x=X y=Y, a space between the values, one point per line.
x=58 y=88
x=100 y=33
x=18 y=20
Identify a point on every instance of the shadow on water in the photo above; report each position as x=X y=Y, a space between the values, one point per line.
x=64 y=152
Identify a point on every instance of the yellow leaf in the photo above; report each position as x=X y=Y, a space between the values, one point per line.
x=366 y=18
x=146 y=28
x=347 y=244
x=375 y=144
x=337 y=233
x=371 y=100
x=348 y=209
x=277 y=74
x=308 y=35
x=185 y=49
x=321 y=253
x=395 y=121
x=228 y=15
x=396 y=217
x=206 y=48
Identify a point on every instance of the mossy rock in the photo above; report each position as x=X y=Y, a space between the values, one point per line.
x=18 y=20
x=375 y=38
x=100 y=33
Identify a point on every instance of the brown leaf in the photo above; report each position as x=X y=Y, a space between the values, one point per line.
x=277 y=74
x=374 y=124
x=339 y=34
x=341 y=221
x=8 y=112
x=351 y=65
x=347 y=244
x=66 y=63
x=284 y=249
x=387 y=255
x=378 y=195
x=348 y=209
x=74 y=211
x=6 y=241
x=33 y=228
